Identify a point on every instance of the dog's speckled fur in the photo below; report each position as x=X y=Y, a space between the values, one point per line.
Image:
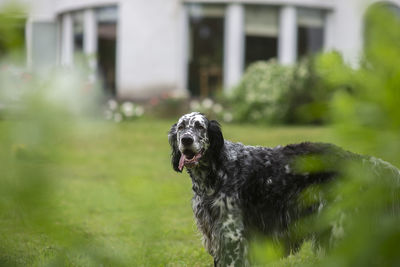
x=240 y=190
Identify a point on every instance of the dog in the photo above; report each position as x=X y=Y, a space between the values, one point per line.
x=240 y=190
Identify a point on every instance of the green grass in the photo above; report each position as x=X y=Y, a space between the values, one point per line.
x=114 y=188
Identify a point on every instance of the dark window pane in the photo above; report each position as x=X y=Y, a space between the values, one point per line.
x=78 y=31
x=261 y=33
x=206 y=49
x=106 y=47
x=260 y=48
x=310 y=31
x=309 y=40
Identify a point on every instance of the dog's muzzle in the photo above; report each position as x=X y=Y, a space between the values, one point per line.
x=189 y=158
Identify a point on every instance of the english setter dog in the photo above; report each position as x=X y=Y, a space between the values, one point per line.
x=240 y=190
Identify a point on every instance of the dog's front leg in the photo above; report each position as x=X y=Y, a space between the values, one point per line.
x=231 y=243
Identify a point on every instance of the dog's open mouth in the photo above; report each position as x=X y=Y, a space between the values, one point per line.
x=189 y=159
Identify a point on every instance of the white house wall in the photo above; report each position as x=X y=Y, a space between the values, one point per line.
x=149 y=49
x=346 y=27
x=347 y=30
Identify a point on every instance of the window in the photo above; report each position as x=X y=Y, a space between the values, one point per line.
x=310 y=31
x=261 y=33
x=206 y=48
x=107 y=46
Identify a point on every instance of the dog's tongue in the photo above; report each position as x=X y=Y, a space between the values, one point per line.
x=189 y=162
x=181 y=162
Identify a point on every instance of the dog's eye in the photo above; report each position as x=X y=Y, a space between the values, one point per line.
x=181 y=126
x=198 y=126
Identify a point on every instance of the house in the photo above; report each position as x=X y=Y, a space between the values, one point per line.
x=140 y=49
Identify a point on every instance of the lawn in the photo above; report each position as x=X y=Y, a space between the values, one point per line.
x=115 y=199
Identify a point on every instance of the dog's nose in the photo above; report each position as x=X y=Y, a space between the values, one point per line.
x=187 y=140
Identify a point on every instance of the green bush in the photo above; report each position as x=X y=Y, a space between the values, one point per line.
x=308 y=98
x=272 y=93
x=259 y=95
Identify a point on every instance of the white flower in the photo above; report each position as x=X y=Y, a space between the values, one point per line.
x=207 y=103
x=139 y=111
x=227 y=117
x=128 y=109
x=217 y=108
x=117 y=117
x=194 y=105
x=112 y=104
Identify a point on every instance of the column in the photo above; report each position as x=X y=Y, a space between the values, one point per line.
x=90 y=40
x=28 y=43
x=233 y=45
x=67 y=42
x=89 y=32
x=287 y=43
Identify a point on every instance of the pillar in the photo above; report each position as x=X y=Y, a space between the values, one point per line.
x=67 y=42
x=90 y=40
x=233 y=45
x=287 y=43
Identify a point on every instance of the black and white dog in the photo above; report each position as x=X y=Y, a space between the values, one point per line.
x=240 y=190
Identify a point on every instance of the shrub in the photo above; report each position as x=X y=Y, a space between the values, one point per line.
x=308 y=98
x=259 y=95
x=272 y=93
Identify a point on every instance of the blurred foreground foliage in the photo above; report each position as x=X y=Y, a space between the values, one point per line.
x=42 y=111
x=360 y=225
x=367 y=119
x=12 y=29
x=39 y=112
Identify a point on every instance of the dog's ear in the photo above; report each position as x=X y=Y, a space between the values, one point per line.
x=176 y=154
x=215 y=136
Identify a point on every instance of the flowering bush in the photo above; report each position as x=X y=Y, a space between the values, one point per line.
x=272 y=93
x=309 y=96
x=259 y=95
x=122 y=111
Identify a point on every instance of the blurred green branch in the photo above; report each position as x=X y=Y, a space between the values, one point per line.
x=12 y=28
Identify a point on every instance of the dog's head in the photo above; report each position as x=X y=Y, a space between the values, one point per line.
x=194 y=138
